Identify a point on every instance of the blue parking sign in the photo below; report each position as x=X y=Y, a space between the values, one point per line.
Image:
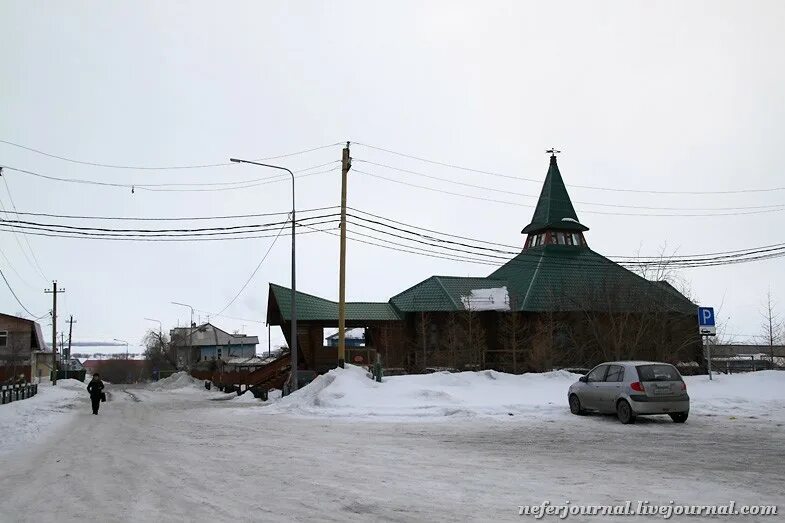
x=706 y=323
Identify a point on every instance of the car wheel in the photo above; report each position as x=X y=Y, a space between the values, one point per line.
x=679 y=417
x=624 y=412
x=575 y=405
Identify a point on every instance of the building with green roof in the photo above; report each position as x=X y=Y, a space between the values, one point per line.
x=555 y=304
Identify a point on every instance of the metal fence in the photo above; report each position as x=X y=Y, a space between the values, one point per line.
x=9 y=393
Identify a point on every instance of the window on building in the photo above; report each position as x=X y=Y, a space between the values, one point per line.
x=3 y=338
x=541 y=239
x=576 y=238
x=560 y=238
x=220 y=353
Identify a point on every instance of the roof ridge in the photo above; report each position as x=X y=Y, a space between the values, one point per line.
x=449 y=296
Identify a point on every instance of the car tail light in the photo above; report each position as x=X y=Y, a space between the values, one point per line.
x=683 y=386
x=637 y=386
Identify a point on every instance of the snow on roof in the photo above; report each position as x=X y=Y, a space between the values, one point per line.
x=358 y=333
x=569 y=220
x=494 y=299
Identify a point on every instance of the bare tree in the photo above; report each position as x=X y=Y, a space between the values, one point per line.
x=475 y=339
x=158 y=351
x=421 y=340
x=772 y=325
x=515 y=337
x=453 y=340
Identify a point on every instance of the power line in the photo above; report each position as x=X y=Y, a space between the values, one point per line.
x=517 y=204
x=11 y=223
x=256 y=269
x=592 y=187
x=173 y=218
x=161 y=187
x=27 y=241
x=99 y=236
x=160 y=233
x=442 y=233
x=703 y=260
x=17 y=297
x=535 y=196
x=162 y=168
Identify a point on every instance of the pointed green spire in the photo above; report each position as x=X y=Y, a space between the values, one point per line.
x=554 y=208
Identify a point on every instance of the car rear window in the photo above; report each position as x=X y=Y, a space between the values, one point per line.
x=658 y=373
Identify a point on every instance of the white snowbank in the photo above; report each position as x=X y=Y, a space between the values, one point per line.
x=759 y=394
x=350 y=393
x=177 y=381
x=25 y=420
x=246 y=397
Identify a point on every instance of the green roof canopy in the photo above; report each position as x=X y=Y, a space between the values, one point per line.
x=554 y=209
x=441 y=293
x=562 y=278
x=313 y=308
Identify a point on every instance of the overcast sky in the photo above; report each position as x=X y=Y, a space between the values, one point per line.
x=682 y=96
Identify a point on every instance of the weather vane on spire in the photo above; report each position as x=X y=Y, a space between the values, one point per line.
x=553 y=151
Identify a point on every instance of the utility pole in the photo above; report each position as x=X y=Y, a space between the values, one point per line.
x=70 y=333
x=54 y=292
x=346 y=164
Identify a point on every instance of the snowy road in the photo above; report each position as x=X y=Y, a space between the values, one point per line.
x=184 y=456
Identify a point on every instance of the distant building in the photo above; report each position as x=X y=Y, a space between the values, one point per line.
x=19 y=338
x=353 y=338
x=554 y=303
x=207 y=342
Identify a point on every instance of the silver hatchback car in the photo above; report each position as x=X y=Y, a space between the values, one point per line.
x=630 y=389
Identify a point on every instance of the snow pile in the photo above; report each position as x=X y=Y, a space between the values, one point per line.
x=494 y=299
x=177 y=381
x=349 y=392
x=25 y=420
x=246 y=397
x=758 y=394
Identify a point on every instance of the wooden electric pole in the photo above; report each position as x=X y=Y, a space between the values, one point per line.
x=71 y=322
x=54 y=292
x=346 y=164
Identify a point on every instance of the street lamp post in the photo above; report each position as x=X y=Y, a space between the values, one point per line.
x=190 y=327
x=126 y=346
x=160 y=327
x=293 y=342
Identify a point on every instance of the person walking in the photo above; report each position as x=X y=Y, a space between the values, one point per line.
x=96 y=390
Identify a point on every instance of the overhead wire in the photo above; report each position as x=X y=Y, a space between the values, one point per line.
x=580 y=202
x=27 y=241
x=518 y=204
x=270 y=248
x=158 y=167
x=174 y=218
x=162 y=187
x=592 y=187
x=476 y=240
x=17 y=297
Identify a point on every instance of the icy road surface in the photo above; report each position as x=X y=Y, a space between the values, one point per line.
x=191 y=455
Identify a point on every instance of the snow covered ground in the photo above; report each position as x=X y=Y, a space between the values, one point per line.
x=23 y=422
x=348 y=449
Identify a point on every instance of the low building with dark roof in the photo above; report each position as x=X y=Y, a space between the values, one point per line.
x=557 y=303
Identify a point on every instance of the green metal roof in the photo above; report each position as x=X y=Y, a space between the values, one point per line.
x=441 y=293
x=566 y=278
x=313 y=308
x=554 y=208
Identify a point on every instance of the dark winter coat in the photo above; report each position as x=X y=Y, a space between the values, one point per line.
x=95 y=387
